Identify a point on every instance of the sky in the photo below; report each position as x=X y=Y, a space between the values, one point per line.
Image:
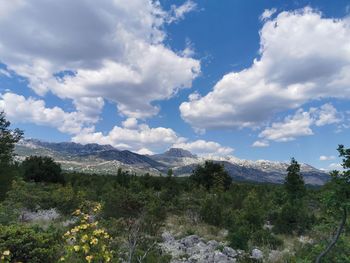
x=252 y=79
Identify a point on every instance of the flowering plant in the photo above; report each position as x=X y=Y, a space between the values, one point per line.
x=86 y=241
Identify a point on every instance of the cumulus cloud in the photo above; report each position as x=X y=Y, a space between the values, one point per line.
x=202 y=147
x=303 y=57
x=143 y=139
x=267 y=14
x=327 y=158
x=290 y=128
x=109 y=50
x=300 y=124
x=24 y=110
x=327 y=114
x=132 y=136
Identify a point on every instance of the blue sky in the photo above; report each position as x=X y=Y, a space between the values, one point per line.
x=253 y=79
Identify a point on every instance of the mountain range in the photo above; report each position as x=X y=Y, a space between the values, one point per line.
x=95 y=158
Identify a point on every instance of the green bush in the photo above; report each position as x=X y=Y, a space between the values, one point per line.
x=42 y=169
x=293 y=218
x=239 y=237
x=211 y=211
x=30 y=244
x=121 y=203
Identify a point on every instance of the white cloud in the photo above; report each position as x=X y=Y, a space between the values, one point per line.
x=267 y=14
x=327 y=158
x=335 y=166
x=260 y=144
x=130 y=123
x=202 y=147
x=300 y=124
x=327 y=114
x=143 y=139
x=138 y=139
x=19 y=109
x=290 y=128
x=145 y=151
x=5 y=73
x=110 y=50
x=304 y=57
x=178 y=12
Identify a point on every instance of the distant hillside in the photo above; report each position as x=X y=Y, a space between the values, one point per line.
x=95 y=158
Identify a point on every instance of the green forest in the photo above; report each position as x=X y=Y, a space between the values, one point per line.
x=123 y=217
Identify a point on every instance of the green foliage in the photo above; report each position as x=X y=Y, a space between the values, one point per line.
x=294 y=215
x=121 y=203
x=337 y=199
x=30 y=244
x=247 y=224
x=42 y=169
x=7 y=174
x=294 y=182
x=293 y=218
x=8 y=138
x=211 y=175
x=34 y=196
x=211 y=211
x=137 y=208
x=239 y=237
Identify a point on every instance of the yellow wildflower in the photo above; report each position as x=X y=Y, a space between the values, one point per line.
x=94 y=241
x=6 y=253
x=76 y=248
x=86 y=248
x=77 y=212
x=84 y=238
x=89 y=258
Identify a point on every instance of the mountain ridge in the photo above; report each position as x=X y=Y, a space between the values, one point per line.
x=95 y=158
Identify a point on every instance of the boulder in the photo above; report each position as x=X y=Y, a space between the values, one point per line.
x=257 y=254
x=230 y=252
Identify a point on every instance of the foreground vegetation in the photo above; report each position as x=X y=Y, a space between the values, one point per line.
x=121 y=218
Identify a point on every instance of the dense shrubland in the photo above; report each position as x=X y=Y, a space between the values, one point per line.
x=121 y=218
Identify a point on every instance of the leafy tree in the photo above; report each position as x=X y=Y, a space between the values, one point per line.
x=170 y=172
x=8 y=139
x=338 y=198
x=42 y=169
x=211 y=175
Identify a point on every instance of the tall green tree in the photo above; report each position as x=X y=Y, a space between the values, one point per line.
x=8 y=139
x=338 y=198
x=294 y=182
x=294 y=216
x=211 y=175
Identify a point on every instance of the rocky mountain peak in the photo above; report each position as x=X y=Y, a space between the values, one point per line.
x=179 y=153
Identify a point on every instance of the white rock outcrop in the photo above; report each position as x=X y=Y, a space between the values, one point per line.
x=193 y=249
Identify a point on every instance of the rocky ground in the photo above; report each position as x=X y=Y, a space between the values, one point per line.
x=193 y=249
